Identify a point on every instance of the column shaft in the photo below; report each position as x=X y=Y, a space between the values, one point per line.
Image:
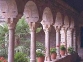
x=66 y=39
x=58 y=43
x=47 y=46
x=33 y=47
x=71 y=43
x=69 y=38
x=11 y=46
x=70 y=33
x=74 y=41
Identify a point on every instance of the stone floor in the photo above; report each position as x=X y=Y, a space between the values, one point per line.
x=80 y=53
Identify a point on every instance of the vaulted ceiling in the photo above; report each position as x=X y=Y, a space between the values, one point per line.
x=76 y=4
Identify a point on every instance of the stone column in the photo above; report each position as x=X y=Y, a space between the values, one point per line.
x=11 y=27
x=65 y=30
x=71 y=33
x=64 y=37
x=47 y=42
x=58 y=42
x=70 y=40
x=47 y=45
x=32 y=26
x=74 y=41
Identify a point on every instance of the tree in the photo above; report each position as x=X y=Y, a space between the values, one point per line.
x=3 y=34
x=22 y=26
x=3 y=31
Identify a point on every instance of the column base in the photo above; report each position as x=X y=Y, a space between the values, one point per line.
x=58 y=57
x=63 y=56
x=49 y=61
x=32 y=60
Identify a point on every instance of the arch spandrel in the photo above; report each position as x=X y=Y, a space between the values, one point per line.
x=12 y=8
x=58 y=20
x=72 y=23
x=66 y=22
x=31 y=12
x=3 y=7
x=8 y=8
x=47 y=16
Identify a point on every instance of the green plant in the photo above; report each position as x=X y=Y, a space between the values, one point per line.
x=39 y=45
x=20 y=57
x=62 y=47
x=53 y=50
x=39 y=53
x=70 y=50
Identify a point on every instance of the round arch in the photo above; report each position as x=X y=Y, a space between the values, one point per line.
x=58 y=20
x=47 y=17
x=8 y=8
x=66 y=21
x=31 y=12
x=72 y=23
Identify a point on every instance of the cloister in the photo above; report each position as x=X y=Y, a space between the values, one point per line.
x=53 y=16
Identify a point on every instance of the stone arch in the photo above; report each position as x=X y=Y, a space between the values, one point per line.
x=72 y=23
x=58 y=20
x=8 y=8
x=47 y=17
x=66 y=21
x=31 y=12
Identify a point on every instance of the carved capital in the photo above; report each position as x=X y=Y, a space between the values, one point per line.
x=57 y=28
x=71 y=30
x=11 y=23
x=65 y=29
x=32 y=26
x=46 y=28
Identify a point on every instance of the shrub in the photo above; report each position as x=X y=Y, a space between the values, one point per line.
x=20 y=57
x=62 y=47
x=53 y=50
x=39 y=53
x=70 y=50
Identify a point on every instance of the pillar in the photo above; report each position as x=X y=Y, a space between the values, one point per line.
x=58 y=42
x=11 y=27
x=47 y=42
x=47 y=45
x=71 y=42
x=32 y=26
x=74 y=41
x=70 y=38
x=64 y=37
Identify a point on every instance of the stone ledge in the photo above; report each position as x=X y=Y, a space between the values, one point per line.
x=68 y=58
